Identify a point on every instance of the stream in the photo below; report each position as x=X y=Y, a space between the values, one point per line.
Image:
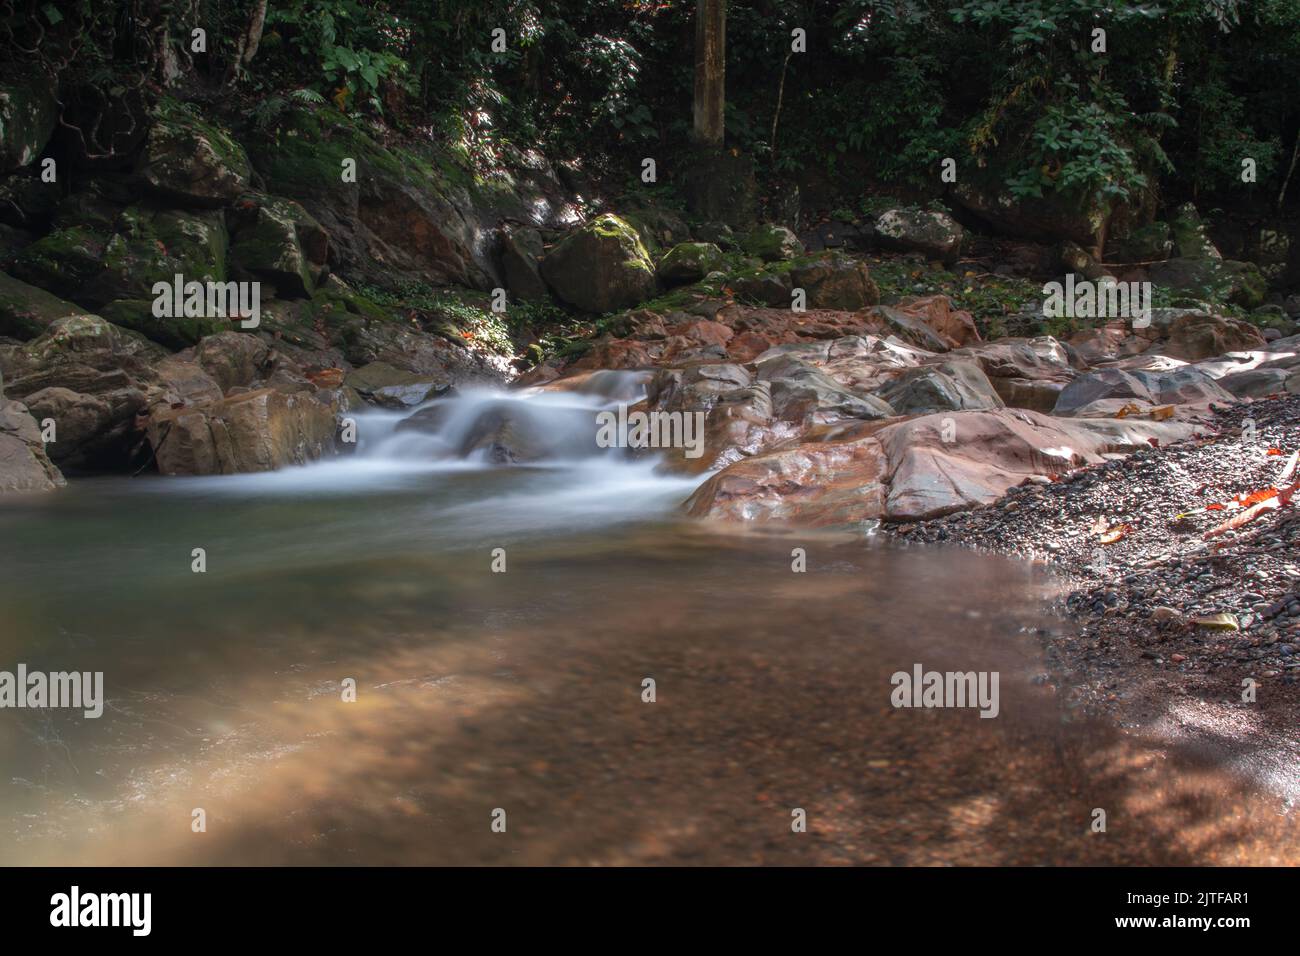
x=518 y=694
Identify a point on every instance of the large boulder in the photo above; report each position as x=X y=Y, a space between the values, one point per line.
x=29 y=113
x=689 y=262
x=1195 y=335
x=93 y=432
x=936 y=235
x=1208 y=277
x=278 y=240
x=601 y=267
x=1025 y=373
x=26 y=311
x=24 y=465
x=835 y=282
x=190 y=160
x=929 y=322
x=97 y=254
x=521 y=257
x=1191 y=240
x=915 y=469
x=772 y=243
x=804 y=394
x=409 y=213
x=381 y=384
x=259 y=430
x=953 y=385
x=1105 y=390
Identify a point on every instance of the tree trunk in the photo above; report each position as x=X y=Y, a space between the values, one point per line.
x=710 y=71
x=248 y=42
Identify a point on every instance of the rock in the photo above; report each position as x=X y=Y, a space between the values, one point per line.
x=26 y=311
x=28 y=203
x=717 y=233
x=1188 y=385
x=234 y=359
x=936 y=235
x=805 y=395
x=772 y=243
x=689 y=262
x=907 y=471
x=189 y=160
x=1074 y=258
x=929 y=322
x=1046 y=219
x=259 y=430
x=29 y=113
x=1209 y=278
x=1196 y=335
x=93 y=257
x=835 y=282
x=600 y=267
x=1142 y=244
x=407 y=215
x=391 y=387
x=82 y=353
x=521 y=256
x=92 y=432
x=947 y=386
x=763 y=287
x=24 y=466
x=1025 y=373
x=278 y=240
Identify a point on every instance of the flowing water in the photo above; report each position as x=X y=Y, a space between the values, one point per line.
x=519 y=695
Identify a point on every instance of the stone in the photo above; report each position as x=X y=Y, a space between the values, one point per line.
x=24 y=465
x=190 y=160
x=689 y=262
x=600 y=267
x=936 y=235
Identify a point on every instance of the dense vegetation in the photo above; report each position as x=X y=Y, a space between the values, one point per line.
x=886 y=88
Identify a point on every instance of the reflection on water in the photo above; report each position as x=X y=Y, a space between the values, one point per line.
x=523 y=690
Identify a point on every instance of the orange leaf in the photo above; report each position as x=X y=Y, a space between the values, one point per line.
x=1163 y=412
x=1114 y=534
x=1273 y=451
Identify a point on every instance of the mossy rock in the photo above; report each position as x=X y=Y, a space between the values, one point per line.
x=1142 y=244
x=277 y=239
x=28 y=114
x=601 y=267
x=772 y=243
x=26 y=311
x=689 y=262
x=175 y=333
x=190 y=160
x=144 y=246
x=1190 y=238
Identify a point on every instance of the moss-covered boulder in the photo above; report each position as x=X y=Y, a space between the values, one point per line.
x=601 y=267
x=835 y=282
x=177 y=332
x=934 y=234
x=92 y=263
x=1213 y=279
x=1145 y=243
x=26 y=311
x=772 y=243
x=689 y=262
x=28 y=115
x=278 y=240
x=190 y=160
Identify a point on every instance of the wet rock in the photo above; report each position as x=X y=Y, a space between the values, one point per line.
x=234 y=359
x=92 y=432
x=1188 y=385
x=801 y=393
x=836 y=282
x=946 y=386
x=389 y=387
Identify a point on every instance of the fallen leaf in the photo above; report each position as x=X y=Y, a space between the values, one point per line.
x=1129 y=409
x=1116 y=533
x=1163 y=412
x=1219 y=622
x=1289 y=468
x=1273 y=451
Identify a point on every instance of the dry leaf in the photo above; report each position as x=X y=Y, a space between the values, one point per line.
x=1219 y=622
x=1163 y=412
x=1116 y=533
x=1129 y=409
x=1289 y=468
